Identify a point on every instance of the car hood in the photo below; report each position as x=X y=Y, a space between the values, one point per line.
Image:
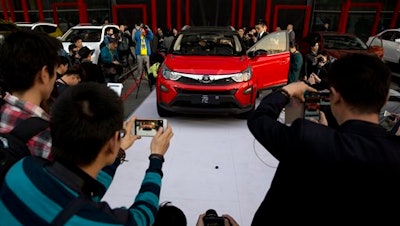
x=339 y=53
x=206 y=64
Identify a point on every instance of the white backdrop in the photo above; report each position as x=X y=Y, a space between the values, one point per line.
x=212 y=163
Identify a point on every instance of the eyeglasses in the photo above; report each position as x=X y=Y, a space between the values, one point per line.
x=122 y=133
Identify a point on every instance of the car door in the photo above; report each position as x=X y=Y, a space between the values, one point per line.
x=396 y=47
x=389 y=46
x=269 y=59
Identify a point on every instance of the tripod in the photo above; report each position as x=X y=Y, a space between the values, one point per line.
x=145 y=75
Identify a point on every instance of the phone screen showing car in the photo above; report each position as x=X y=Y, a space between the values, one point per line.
x=148 y=127
x=312 y=106
x=316 y=102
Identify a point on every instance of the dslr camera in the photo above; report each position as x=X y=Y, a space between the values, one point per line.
x=320 y=59
x=145 y=28
x=212 y=219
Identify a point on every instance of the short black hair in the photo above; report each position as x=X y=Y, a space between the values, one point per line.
x=76 y=38
x=169 y=215
x=293 y=45
x=63 y=60
x=261 y=22
x=71 y=46
x=24 y=54
x=75 y=70
x=363 y=81
x=83 y=118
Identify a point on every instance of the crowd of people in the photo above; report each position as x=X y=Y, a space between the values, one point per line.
x=349 y=173
x=121 y=49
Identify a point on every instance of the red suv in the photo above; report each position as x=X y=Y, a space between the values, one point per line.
x=208 y=70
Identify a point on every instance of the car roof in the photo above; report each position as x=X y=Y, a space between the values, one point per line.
x=329 y=33
x=7 y=27
x=390 y=29
x=208 y=29
x=85 y=26
x=27 y=24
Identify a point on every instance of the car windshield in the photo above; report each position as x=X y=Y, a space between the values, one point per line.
x=87 y=35
x=7 y=27
x=207 y=44
x=344 y=42
x=24 y=28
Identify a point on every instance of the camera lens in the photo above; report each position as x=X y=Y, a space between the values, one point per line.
x=211 y=212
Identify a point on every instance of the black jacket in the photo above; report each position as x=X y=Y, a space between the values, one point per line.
x=325 y=175
x=93 y=72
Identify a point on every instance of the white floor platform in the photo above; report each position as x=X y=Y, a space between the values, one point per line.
x=212 y=163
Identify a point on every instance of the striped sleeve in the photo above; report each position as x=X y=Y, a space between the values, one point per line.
x=106 y=175
x=145 y=207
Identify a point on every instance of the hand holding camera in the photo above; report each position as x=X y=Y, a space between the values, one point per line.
x=211 y=218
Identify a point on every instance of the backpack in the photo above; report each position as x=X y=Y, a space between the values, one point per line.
x=13 y=144
x=124 y=44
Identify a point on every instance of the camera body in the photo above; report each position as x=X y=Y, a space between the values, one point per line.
x=320 y=59
x=145 y=29
x=212 y=219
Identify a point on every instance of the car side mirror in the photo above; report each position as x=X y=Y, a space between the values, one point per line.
x=251 y=54
x=258 y=52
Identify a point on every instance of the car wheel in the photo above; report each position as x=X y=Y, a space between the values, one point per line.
x=162 y=112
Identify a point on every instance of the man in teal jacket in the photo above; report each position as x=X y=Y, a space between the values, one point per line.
x=88 y=134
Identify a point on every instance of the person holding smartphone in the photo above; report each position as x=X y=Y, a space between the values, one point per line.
x=89 y=134
x=325 y=175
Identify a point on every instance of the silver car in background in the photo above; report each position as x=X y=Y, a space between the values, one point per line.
x=390 y=39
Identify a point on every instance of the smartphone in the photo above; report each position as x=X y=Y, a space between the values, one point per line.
x=316 y=102
x=149 y=127
x=312 y=106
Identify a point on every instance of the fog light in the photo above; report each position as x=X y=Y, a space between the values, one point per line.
x=164 y=89
x=248 y=90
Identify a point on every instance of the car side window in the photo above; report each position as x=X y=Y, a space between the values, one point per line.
x=49 y=29
x=396 y=36
x=273 y=43
x=387 y=36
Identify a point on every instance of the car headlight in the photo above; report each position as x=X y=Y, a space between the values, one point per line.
x=168 y=74
x=243 y=76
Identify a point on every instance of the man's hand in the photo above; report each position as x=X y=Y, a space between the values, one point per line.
x=200 y=221
x=297 y=90
x=313 y=79
x=128 y=140
x=160 y=142
x=229 y=221
x=322 y=119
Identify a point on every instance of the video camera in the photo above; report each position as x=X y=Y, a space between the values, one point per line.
x=212 y=219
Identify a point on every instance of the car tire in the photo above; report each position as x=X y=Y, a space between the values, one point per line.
x=162 y=112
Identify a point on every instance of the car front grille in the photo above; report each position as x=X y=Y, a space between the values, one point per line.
x=191 y=81
x=202 y=92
